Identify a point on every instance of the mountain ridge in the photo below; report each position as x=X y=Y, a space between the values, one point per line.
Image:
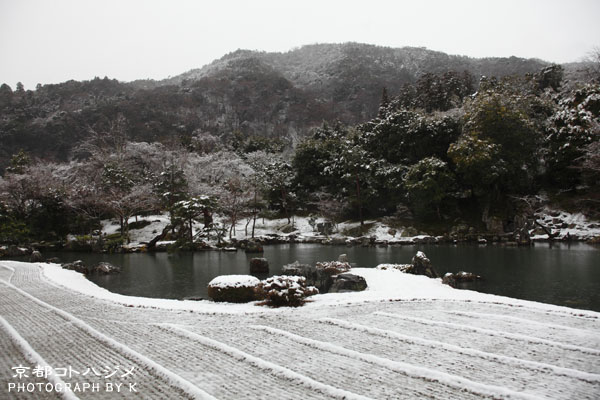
x=244 y=94
x=412 y=58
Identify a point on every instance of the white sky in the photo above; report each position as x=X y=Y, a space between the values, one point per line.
x=53 y=41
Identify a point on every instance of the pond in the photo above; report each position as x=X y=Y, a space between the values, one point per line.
x=559 y=274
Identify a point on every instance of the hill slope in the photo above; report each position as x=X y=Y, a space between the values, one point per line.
x=245 y=93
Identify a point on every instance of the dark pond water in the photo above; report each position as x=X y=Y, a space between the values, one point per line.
x=559 y=274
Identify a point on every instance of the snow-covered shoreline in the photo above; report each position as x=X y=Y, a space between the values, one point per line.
x=565 y=226
x=383 y=285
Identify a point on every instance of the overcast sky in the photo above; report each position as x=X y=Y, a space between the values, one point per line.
x=43 y=41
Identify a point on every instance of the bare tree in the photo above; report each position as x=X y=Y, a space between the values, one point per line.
x=594 y=64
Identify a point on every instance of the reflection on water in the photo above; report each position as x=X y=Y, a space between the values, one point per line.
x=558 y=274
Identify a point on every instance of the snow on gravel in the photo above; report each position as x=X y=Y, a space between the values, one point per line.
x=35 y=358
x=79 y=283
x=339 y=345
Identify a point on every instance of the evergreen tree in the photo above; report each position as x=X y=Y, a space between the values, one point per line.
x=427 y=184
x=383 y=104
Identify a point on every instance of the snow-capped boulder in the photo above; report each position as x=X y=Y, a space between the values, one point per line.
x=326 y=270
x=298 y=269
x=333 y=267
x=233 y=288
x=284 y=290
x=348 y=283
x=319 y=275
x=104 y=268
x=310 y=273
x=36 y=256
x=259 y=265
x=422 y=266
x=77 y=266
x=454 y=280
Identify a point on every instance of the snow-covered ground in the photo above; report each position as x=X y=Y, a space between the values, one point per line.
x=563 y=223
x=300 y=227
x=406 y=337
x=303 y=229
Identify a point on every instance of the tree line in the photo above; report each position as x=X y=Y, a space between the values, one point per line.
x=442 y=149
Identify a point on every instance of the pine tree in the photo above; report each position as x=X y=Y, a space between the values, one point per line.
x=383 y=105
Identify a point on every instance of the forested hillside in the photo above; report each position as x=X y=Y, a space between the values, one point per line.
x=339 y=131
x=244 y=96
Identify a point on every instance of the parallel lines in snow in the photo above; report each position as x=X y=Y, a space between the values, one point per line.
x=265 y=365
x=579 y=314
x=520 y=320
x=186 y=386
x=489 y=332
x=11 y=269
x=513 y=361
x=406 y=369
x=32 y=356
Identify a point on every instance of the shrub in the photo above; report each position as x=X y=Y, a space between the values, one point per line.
x=233 y=288
x=284 y=290
x=333 y=267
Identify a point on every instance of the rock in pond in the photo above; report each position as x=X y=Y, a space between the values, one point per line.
x=422 y=266
x=234 y=288
x=343 y=258
x=77 y=266
x=455 y=280
x=254 y=247
x=348 y=283
x=104 y=268
x=36 y=256
x=259 y=265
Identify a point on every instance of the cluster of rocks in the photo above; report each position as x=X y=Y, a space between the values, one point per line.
x=297 y=282
x=328 y=276
x=421 y=265
x=11 y=251
x=32 y=255
x=276 y=291
x=102 y=268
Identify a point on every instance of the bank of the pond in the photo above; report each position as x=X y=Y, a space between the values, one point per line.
x=560 y=274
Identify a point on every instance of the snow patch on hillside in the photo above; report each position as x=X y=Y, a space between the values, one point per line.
x=574 y=225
